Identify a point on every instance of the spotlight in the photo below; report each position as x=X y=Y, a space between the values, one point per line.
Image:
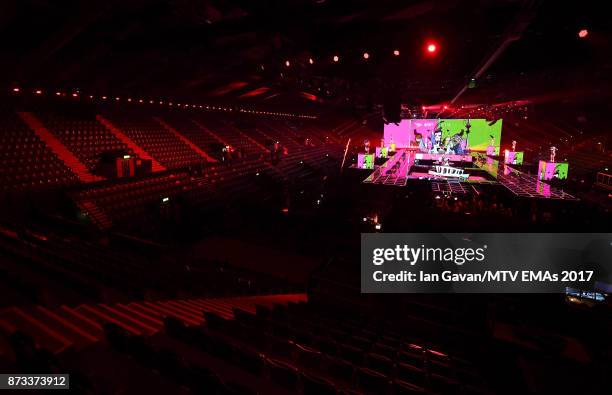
x=336 y=58
x=287 y=63
x=38 y=92
x=432 y=48
x=15 y=90
x=310 y=61
x=583 y=33
x=396 y=52
x=366 y=55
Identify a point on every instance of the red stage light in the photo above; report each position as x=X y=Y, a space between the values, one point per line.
x=15 y=89
x=310 y=61
x=287 y=63
x=336 y=58
x=396 y=52
x=432 y=48
x=38 y=92
x=583 y=33
x=366 y=55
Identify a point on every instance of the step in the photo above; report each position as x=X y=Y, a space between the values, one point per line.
x=100 y=316
x=210 y=132
x=174 y=313
x=86 y=325
x=132 y=320
x=78 y=334
x=55 y=145
x=138 y=150
x=184 y=139
x=44 y=336
x=180 y=312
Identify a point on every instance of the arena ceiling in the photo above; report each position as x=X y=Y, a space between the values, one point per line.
x=245 y=51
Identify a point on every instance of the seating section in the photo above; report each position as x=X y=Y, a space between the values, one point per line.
x=166 y=148
x=285 y=135
x=264 y=344
x=25 y=161
x=204 y=140
x=85 y=138
x=130 y=199
x=301 y=165
x=233 y=136
x=40 y=267
x=129 y=202
x=311 y=349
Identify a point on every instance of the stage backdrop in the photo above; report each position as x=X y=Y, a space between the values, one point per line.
x=481 y=131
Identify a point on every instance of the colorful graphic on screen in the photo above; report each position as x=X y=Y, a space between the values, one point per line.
x=382 y=152
x=457 y=136
x=552 y=170
x=365 y=161
x=513 y=157
x=398 y=134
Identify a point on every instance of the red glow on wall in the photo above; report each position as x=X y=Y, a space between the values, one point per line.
x=255 y=92
x=308 y=96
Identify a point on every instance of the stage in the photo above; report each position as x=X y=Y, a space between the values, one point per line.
x=409 y=165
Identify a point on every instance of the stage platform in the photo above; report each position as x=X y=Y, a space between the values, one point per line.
x=519 y=183
x=394 y=171
x=397 y=171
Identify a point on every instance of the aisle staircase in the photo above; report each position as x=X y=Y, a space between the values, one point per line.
x=210 y=132
x=184 y=139
x=138 y=150
x=97 y=216
x=58 y=147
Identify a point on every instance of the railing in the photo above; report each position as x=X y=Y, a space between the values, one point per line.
x=604 y=180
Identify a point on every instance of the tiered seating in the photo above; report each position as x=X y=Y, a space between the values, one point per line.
x=234 y=137
x=199 y=137
x=305 y=346
x=86 y=138
x=25 y=161
x=302 y=164
x=128 y=200
x=169 y=150
x=58 y=329
x=282 y=134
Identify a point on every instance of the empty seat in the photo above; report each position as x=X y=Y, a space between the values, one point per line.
x=249 y=360
x=283 y=374
x=312 y=385
x=380 y=363
x=410 y=374
x=403 y=388
x=339 y=368
x=372 y=382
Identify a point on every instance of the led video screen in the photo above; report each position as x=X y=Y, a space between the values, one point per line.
x=552 y=170
x=445 y=135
